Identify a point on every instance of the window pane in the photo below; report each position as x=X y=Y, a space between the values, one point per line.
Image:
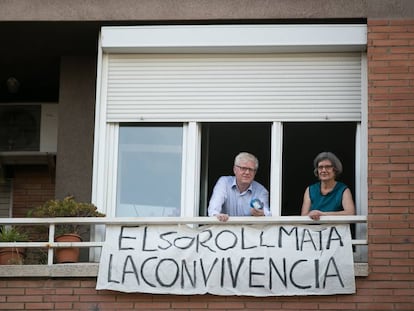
x=149 y=171
x=230 y=139
x=301 y=143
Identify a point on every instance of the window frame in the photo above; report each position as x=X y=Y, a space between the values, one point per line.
x=191 y=169
x=222 y=39
x=145 y=184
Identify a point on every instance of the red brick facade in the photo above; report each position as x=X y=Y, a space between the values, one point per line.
x=390 y=284
x=32 y=185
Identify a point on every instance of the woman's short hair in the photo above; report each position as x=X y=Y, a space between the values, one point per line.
x=326 y=155
x=245 y=156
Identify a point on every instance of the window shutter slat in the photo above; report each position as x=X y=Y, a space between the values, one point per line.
x=237 y=87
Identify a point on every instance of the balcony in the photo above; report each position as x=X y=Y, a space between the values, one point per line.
x=89 y=266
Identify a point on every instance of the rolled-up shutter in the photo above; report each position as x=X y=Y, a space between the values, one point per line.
x=233 y=87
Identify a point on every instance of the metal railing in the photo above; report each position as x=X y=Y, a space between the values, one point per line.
x=100 y=222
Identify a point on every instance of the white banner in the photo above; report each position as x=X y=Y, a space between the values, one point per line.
x=271 y=260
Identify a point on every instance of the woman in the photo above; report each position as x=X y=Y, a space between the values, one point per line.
x=328 y=196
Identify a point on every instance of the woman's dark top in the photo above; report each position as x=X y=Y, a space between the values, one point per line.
x=331 y=202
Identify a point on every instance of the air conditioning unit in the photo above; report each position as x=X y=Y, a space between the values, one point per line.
x=28 y=127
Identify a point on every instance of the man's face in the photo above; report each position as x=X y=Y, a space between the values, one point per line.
x=244 y=172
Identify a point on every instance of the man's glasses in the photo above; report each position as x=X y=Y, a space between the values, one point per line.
x=326 y=167
x=246 y=169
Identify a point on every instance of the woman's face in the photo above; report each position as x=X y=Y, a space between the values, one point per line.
x=326 y=170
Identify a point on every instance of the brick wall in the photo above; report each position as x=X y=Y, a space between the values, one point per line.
x=391 y=164
x=80 y=295
x=390 y=285
x=32 y=185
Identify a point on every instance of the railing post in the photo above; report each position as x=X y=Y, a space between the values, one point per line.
x=50 y=250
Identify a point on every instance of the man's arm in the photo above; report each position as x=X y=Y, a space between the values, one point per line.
x=217 y=198
x=264 y=197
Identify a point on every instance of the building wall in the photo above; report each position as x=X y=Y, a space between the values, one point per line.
x=390 y=284
x=32 y=186
x=198 y=10
x=391 y=162
x=62 y=30
x=76 y=127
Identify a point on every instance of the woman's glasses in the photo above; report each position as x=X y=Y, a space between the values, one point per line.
x=325 y=167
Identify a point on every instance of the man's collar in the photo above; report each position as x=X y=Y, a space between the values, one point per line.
x=234 y=185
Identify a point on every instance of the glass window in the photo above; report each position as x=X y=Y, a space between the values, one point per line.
x=150 y=163
x=302 y=141
x=149 y=170
x=221 y=142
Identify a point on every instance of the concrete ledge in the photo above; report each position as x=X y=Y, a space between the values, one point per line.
x=88 y=270
x=53 y=271
x=361 y=269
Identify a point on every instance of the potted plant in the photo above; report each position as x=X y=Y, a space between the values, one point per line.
x=68 y=207
x=11 y=255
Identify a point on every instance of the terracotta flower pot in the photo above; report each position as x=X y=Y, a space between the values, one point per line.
x=11 y=255
x=67 y=254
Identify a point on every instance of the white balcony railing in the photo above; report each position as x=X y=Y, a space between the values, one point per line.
x=97 y=238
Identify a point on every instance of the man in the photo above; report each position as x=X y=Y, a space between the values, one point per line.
x=240 y=195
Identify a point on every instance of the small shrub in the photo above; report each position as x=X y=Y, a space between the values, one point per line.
x=12 y=234
x=68 y=207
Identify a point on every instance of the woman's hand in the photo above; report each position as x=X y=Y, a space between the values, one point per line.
x=315 y=214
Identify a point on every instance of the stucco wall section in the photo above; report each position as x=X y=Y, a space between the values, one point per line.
x=76 y=126
x=150 y=10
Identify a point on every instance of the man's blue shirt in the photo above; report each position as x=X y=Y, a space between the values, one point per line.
x=226 y=198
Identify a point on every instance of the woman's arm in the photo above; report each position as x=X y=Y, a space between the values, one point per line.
x=306 y=203
x=347 y=204
x=315 y=214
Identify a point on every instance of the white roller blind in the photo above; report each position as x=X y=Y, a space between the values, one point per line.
x=233 y=87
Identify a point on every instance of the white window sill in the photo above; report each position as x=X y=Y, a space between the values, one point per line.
x=90 y=270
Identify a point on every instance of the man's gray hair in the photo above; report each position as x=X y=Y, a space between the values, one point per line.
x=245 y=156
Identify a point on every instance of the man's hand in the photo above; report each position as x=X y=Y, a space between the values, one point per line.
x=256 y=212
x=222 y=217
